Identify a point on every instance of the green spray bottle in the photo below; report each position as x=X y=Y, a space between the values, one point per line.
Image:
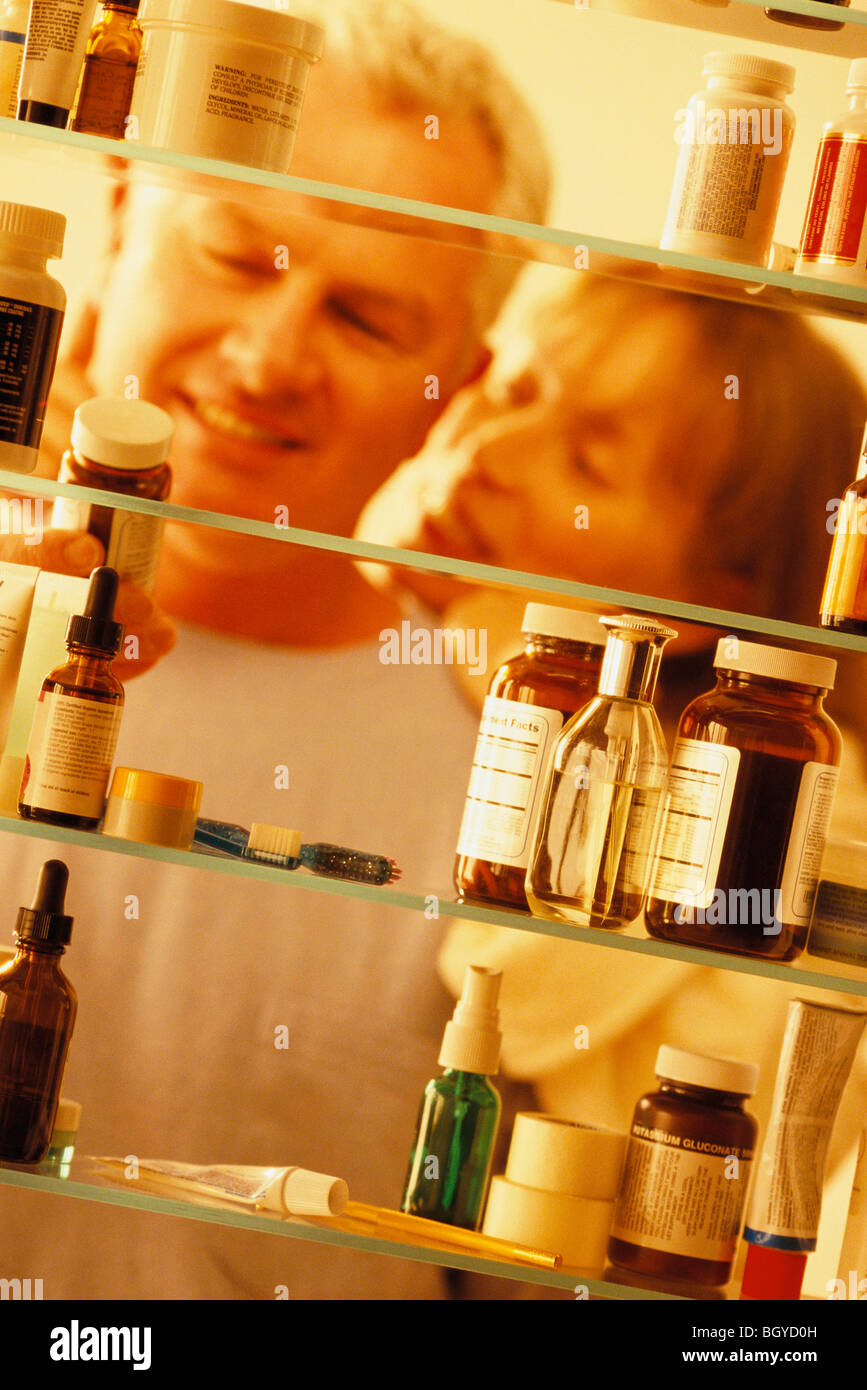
x=459 y=1113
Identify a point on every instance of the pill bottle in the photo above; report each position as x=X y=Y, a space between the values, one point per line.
x=32 y=305
x=530 y=698
x=118 y=445
x=750 y=793
x=834 y=239
x=735 y=137
x=679 y=1210
x=844 y=599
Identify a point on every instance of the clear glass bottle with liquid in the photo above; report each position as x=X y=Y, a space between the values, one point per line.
x=602 y=807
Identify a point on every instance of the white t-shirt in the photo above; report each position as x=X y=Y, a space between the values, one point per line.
x=173 y=1053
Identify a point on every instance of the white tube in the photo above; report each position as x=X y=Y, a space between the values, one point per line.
x=17 y=586
x=287 y=1191
x=56 y=39
x=819 y=1048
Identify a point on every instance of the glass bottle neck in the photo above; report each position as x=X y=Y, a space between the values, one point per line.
x=803 y=697
x=730 y=1100
x=562 y=648
x=90 y=655
x=44 y=949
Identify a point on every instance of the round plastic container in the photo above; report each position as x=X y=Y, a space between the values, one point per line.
x=222 y=80
x=152 y=808
x=834 y=239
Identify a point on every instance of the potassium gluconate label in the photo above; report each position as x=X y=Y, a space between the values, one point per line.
x=512 y=751
x=682 y=1196
x=701 y=784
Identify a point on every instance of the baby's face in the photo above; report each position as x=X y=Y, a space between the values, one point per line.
x=576 y=473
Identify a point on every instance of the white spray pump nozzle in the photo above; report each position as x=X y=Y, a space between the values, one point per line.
x=471 y=1041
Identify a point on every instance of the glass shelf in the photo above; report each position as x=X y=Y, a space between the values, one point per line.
x=528 y=241
x=86 y=1181
x=729 y=621
x=745 y=19
x=828 y=976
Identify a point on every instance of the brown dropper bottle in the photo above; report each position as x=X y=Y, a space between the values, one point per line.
x=77 y=719
x=37 y=1014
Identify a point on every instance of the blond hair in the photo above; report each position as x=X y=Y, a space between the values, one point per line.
x=766 y=421
x=409 y=59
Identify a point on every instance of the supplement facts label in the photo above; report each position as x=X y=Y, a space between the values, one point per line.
x=510 y=760
x=29 y=336
x=70 y=753
x=838 y=201
x=807 y=842
x=839 y=927
x=701 y=785
x=682 y=1196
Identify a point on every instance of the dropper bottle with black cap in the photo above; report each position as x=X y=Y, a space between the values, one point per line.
x=37 y=1014
x=77 y=719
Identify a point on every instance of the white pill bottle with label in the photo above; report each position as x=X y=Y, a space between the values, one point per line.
x=735 y=136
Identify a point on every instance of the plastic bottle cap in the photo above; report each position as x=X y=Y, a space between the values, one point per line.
x=122 y=433
x=773 y=1274
x=472 y=1039
x=37 y=229
x=68 y=1115
x=314 y=1194
x=777 y=663
x=95 y=627
x=569 y=623
x=749 y=65
x=156 y=788
x=714 y=1073
x=857 y=74
x=45 y=919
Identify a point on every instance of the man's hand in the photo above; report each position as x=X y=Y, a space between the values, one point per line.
x=76 y=552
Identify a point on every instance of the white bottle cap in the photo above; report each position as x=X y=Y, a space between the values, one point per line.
x=714 y=1073
x=568 y=623
x=37 y=229
x=857 y=74
x=122 y=433
x=472 y=1039
x=68 y=1116
x=777 y=663
x=748 y=65
x=303 y=1193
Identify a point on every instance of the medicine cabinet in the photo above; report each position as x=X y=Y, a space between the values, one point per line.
x=577 y=250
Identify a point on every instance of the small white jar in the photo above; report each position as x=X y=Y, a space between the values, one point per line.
x=222 y=80
x=32 y=306
x=735 y=137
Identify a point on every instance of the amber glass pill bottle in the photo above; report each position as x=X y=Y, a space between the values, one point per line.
x=118 y=445
x=530 y=698
x=685 y=1177
x=751 y=788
